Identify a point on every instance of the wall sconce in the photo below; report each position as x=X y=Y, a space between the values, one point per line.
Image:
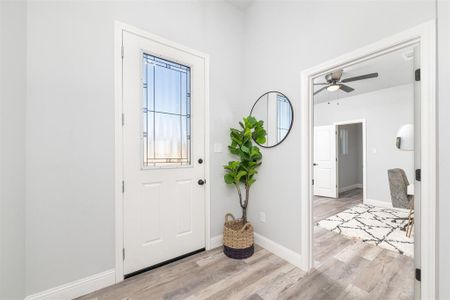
x=405 y=138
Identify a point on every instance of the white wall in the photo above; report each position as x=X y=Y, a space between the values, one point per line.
x=12 y=147
x=70 y=122
x=385 y=111
x=444 y=147
x=350 y=165
x=280 y=42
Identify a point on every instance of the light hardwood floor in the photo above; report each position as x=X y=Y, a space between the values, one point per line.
x=324 y=207
x=345 y=269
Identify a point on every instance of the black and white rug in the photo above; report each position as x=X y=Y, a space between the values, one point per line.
x=373 y=225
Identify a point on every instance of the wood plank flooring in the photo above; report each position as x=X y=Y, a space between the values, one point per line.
x=324 y=207
x=345 y=269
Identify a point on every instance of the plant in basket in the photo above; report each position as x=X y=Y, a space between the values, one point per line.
x=238 y=233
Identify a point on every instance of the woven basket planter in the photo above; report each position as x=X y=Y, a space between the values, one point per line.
x=238 y=241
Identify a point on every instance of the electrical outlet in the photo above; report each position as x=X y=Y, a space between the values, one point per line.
x=262 y=217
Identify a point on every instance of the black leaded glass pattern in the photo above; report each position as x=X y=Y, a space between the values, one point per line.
x=166 y=112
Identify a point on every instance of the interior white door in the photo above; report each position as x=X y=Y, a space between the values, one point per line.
x=325 y=161
x=164 y=145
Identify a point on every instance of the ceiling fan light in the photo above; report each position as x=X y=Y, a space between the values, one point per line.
x=333 y=87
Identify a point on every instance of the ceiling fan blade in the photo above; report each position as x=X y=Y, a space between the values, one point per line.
x=320 y=90
x=321 y=83
x=346 y=88
x=362 y=77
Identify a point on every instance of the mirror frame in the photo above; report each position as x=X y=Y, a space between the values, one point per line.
x=292 y=116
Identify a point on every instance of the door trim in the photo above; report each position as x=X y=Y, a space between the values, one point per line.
x=118 y=137
x=364 y=150
x=425 y=36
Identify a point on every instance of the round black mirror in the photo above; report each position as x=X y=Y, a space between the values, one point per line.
x=275 y=109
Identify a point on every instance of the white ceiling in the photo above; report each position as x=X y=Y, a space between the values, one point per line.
x=393 y=69
x=240 y=4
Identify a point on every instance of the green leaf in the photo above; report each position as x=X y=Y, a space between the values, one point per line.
x=250 y=182
x=229 y=179
x=233 y=150
x=260 y=140
x=254 y=151
x=236 y=141
x=233 y=165
x=240 y=174
x=250 y=121
x=252 y=172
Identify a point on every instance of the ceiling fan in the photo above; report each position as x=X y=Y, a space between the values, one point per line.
x=334 y=81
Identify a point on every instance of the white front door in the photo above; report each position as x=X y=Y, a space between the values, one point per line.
x=164 y=147
x=325 y=161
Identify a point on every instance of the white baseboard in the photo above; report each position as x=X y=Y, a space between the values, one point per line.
x=378 y=203
x=281 y=251
x=98 y=281
x=216 y=241
x=287 y=254
x=77 y=288
x=350 y=187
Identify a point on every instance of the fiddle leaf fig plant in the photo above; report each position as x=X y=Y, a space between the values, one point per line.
x=241 y=172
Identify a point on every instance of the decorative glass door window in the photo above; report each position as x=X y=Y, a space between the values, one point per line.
x=284 y=117
x=166 y=113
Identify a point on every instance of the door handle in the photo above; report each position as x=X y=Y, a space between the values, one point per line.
x=201 y=181
x=315 y=164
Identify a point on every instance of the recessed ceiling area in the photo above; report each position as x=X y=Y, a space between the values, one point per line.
x=394 y=68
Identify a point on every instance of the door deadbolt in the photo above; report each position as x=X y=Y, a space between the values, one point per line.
x=201 y=182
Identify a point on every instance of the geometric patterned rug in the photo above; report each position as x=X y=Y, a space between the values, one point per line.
x=373 y=225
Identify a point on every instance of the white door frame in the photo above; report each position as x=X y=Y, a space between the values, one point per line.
x=118 y=137
x=364 y=149
x=425 y=36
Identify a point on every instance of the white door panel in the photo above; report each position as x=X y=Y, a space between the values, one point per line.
x=323 y=178
x=164 y=206
x=325 y=161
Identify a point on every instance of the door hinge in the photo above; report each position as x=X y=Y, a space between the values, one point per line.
x=122 y=51
x=418 y=174
x=123 y=186
x=123 y=253
x=417 y=75
x=418 y=275
x=313 y=182
x=123 y=119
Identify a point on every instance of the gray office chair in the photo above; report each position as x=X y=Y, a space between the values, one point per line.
x=398 y=184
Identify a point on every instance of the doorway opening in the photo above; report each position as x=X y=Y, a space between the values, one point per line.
x=380 y=92
x=423 y=157
x=347 y=149
x=350 y=166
